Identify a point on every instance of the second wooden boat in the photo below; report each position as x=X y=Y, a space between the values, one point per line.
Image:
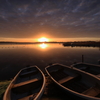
x=75 y=81
x=28 y=84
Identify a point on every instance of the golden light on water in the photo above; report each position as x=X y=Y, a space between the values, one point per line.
x=43 y=39
x=43 y=46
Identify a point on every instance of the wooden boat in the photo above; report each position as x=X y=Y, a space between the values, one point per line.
x=74 y=81
x=90 y=68
x=28 y=84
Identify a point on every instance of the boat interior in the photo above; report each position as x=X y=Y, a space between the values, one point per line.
x=28 y=74
x=75 y=81
x=27 y=85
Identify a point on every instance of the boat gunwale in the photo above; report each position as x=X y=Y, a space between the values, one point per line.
x=43 y=86
x=84 y=64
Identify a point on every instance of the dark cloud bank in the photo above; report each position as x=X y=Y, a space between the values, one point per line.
x=58 y=18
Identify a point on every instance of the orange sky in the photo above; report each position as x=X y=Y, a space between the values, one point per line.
x=50 y=39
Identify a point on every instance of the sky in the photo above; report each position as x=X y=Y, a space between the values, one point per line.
x=31 y=19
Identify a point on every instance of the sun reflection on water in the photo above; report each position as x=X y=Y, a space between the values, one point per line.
x=43 y=46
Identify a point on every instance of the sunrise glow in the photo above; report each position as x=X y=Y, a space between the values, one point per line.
x=43 y=39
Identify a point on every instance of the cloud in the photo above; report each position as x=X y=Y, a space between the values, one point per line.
x=61 y=18
x=48 y=12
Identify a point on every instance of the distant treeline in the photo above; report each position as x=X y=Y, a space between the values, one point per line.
x=2 y=42
x=83 y=43
x=76 y=43
x=18 y=42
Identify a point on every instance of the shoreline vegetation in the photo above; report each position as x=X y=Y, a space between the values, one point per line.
x=72 y=44
x=2 y=42
x=83 y=43
x=3 y=86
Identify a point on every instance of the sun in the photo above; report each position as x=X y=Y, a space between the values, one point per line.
x=43 y=39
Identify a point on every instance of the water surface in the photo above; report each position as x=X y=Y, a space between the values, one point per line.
x=15 y=57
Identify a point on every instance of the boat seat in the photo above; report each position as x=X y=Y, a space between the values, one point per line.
x=28 y=73
x=67 y=79
x=27 y=86
x=93 y=91
x=26 y=82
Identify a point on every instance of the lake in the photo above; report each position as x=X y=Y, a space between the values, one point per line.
x=15 y=57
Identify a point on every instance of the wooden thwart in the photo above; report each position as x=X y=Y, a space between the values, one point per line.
x=67 y=79
x=26 y=82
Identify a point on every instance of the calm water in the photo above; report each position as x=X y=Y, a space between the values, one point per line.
x=15 y=57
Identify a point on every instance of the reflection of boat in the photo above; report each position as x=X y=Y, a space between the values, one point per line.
x=28 y=84
x=90 y=68
x=75 y=81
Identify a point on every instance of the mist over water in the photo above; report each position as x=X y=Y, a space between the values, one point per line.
x=15 y=57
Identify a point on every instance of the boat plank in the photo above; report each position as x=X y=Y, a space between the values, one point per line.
x=65 y=79
x=24 y=83
x=68 y=78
